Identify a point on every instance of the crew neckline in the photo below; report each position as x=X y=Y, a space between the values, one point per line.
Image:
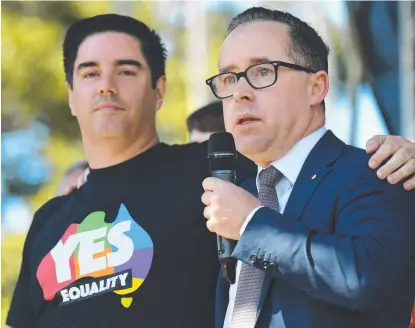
x=112 y=177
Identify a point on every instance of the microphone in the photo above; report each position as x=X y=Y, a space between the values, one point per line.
x=222 y=163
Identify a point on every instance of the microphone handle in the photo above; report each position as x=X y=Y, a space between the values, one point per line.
x=226 y=246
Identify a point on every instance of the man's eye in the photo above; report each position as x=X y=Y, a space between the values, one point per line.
x=129 y=73
x=230 y=79
x=89 y=75
x=263 y=71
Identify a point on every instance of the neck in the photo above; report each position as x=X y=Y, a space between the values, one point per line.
x=271 y=155
x=108 y=152
x=314 y=126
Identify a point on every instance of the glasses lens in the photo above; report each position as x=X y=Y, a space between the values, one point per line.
x=224 y=84
x=261 y=75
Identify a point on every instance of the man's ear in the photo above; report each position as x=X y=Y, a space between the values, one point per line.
x=319 y=87
x=160 y=91
x=70 y=99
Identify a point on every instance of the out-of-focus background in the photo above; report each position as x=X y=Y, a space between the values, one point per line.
x=371 y=67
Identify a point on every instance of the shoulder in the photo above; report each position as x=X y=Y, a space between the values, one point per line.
x=354 y=162
x=190 y=158
x=51 y=206
x=196 y=154
x=197 y=150
x=354 y=168
x=356 y=154
x=44 y=213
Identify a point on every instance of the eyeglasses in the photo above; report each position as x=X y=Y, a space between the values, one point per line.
x=258 y=76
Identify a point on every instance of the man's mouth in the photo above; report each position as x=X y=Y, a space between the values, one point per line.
x=108 y=107
x=246 y=119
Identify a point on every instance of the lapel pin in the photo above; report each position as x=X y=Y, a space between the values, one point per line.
x=314 y=176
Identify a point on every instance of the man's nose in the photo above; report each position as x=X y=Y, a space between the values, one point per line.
x=243 y=91
x=108 y=86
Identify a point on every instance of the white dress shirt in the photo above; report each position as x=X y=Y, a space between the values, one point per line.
x=290 y=166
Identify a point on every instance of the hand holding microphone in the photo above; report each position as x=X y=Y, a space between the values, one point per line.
x=227 y=205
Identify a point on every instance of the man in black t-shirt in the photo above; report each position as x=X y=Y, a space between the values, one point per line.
x=129 y=248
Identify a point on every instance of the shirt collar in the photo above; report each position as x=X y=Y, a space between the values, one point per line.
x=291 y=163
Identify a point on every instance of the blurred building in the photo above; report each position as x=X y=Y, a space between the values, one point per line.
x=384 y=33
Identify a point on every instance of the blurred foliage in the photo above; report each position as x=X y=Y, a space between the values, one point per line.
x=33 y=83
x=61 y=154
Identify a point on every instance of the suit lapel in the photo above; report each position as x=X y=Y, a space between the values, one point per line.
x=250 y=186
x=303 y=190
x=317 y=165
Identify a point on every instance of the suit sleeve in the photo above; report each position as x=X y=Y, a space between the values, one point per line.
x=360 y=264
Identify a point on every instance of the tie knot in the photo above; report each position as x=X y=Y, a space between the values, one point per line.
x=270 y=176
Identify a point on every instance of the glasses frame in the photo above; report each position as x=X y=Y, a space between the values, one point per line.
x=276 y=63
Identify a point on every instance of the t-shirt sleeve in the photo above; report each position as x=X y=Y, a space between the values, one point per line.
x=245 y=169
x=21 y=313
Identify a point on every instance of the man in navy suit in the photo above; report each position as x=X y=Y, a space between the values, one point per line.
x=327 y=244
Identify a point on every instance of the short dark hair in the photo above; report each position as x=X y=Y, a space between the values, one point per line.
x=208 y=118
x=152 y=46
x=306 y=47
x=78 y=165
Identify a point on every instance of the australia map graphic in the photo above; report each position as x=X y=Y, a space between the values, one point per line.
x=96 y=257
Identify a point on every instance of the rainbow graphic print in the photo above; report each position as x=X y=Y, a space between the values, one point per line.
x=96 y=257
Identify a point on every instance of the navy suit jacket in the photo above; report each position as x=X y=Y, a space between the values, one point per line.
x=341 y=255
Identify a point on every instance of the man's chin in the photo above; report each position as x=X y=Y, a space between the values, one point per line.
x=251 y=147
x=247 y=147
x=110 y=128
x=109 y=133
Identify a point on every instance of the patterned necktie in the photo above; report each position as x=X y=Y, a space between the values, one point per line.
x=250 y=278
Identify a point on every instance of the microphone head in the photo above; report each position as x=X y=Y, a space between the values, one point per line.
x=221 y=142
x=222 y=153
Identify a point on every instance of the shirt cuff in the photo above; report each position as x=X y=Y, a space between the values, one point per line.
x=248 y=219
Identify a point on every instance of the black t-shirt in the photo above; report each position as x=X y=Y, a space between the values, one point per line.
x=130 y=248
